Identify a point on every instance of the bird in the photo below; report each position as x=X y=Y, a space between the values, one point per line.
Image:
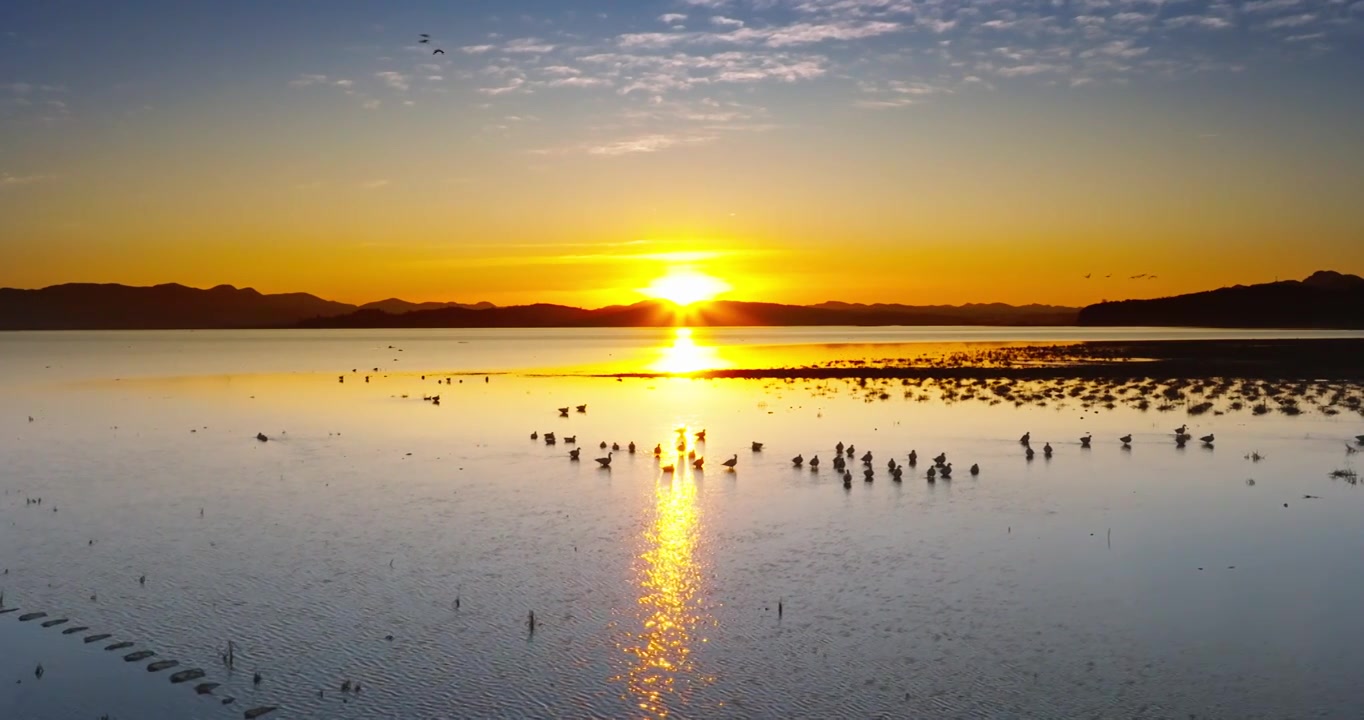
x=847 y=479
x=38 y=671
x=866 y=459
x=814 y=463
x=851 y=451
x=891 y=465
x=946 y=471
x=1087 y=275
x=913 y=458
x=698 y=462
x=631 y=447
x=691 y=454
x=681 y=445
x=839 y=462
x=603 y=445
x=757 y=446
x=1028 y=453
x=1207 y=439
x=437 y=51
x=549 y=439
x=798 y=460
x=897 y=474
x=658 y=450
x=932 y=475
x=701 y=436
x=1046 y=449
x=606 y=461
x=255 y=679
x=940 y=459
x=582 y=408
x=1126 y=439
x=563 y=412
x=975 y=469
x=868 y=475
x=535 y=436
x=1084 y=441
x=1027 y=438
x=261 y=437
x=667 y=468
x=573 y=454
x=730 y=463
x=839 y=447
x=1182 y=429
x=571 y=439
x=615 y=446
x=425 y=38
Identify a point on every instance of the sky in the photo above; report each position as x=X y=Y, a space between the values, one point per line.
x=912 y=151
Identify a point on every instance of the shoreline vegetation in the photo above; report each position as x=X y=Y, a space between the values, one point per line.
x=1325 y=300
x=1286 y=377
x=1277 y=360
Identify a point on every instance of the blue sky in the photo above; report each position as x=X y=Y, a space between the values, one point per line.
x=762 y=123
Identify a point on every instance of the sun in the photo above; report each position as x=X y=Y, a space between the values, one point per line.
x=685 y=286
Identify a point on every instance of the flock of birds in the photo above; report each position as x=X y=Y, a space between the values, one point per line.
x=842 y=454
x=940 y=469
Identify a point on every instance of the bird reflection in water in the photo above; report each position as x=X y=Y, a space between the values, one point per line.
x=662 y=672
x=684 y=355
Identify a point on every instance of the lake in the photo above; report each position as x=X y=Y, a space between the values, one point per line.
x=380 y=538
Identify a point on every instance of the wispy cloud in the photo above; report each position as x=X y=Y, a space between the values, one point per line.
x=395 y=80
x=8 y=181
x=376 y=184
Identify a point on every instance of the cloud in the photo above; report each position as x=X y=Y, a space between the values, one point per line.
x=306 y=80
x=722 y=21
x=395 y=80
x=477 y=49
x=512 y=86
x=527 y=45
x=671 y=18
x=8 y=181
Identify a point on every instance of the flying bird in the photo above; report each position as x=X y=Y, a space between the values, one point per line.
x=437 y=51
x=1087 y=275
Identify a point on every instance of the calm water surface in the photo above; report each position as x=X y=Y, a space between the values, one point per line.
x=370 y=514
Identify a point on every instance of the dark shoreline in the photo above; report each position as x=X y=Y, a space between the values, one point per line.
x=1279 y=360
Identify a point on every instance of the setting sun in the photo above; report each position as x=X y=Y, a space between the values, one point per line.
x=685 y=286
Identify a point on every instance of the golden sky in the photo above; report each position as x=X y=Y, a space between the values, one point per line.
x=865 y=150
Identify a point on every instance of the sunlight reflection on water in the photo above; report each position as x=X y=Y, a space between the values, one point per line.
x=685 y=355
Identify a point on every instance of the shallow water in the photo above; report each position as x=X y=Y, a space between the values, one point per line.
x=370 y=514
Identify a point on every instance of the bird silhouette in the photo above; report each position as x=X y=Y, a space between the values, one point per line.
x=606 y=461
x=757 y=446
x=437 y=51
x=730 y=463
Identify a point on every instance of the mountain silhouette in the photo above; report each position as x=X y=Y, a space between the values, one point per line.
x=718 y=313
x=1325 y=299
x=88 y=306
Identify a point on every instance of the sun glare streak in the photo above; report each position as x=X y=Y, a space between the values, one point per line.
x=662 y=671
x=684 y=355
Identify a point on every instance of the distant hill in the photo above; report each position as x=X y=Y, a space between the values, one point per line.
x=1324 y=300
x=88 y=306
x=720 y=313
x=394 y=306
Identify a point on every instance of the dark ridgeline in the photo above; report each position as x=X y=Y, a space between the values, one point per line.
x=1324 y=300
x=89 y=306
x=81 y=306
x=718 y=313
